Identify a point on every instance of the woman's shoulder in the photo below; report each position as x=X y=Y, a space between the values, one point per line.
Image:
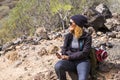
x=86 y=35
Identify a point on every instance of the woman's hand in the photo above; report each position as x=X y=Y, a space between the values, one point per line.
x=58 y=55
x=64 y=57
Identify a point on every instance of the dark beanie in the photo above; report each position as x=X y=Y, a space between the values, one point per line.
x=80 y=20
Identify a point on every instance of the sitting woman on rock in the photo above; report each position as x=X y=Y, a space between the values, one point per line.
x=74 y=57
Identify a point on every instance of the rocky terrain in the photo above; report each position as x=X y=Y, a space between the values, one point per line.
x=33 y=58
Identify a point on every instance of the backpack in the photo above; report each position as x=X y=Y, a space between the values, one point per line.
x=97 y=56
x=101 y=54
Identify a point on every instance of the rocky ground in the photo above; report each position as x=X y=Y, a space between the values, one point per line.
x=28 y=61
x=33 y=58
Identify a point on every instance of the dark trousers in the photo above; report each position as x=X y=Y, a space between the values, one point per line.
x=78 y=70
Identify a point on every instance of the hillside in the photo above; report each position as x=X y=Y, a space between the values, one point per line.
x=32 y=31
x=28 y=60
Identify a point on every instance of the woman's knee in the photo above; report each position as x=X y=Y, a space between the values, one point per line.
x=58 y=65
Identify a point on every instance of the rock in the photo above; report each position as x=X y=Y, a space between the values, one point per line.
x=13 y=47
x=104 y=10
x=109 y=45
x=111 y=34
x=47 y=75
x=2 y=53
x=104 y=39
x=41 y=32
x=42 y=52
x=52 y=49
x=39 y=76
x=102 y=46
x=112 y=24
x=55 y=35
x=7 y=45
x=12 y=55
x=91 y=30
x=103 y=67
x=24 y=47
x=115 y=15
x=117 y=28
x=117 y=76
x=99 y=33
x=36 y=40
x=17 y=63
x=118 y=35
x=29 y=40
x=96 y=20
x=18 y=41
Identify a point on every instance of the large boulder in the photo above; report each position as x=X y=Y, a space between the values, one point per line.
x=104 y=10
x=96 y=20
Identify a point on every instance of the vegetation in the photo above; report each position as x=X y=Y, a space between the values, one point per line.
x=50 y=14
x=19 y=21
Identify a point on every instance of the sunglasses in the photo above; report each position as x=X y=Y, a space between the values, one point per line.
x=70 y=23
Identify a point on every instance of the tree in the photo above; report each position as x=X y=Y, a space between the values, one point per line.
x=61 y=8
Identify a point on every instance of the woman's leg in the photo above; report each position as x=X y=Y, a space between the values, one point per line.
x=62 y=66
x=83 y=69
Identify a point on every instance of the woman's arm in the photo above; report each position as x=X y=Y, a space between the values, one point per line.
x=64 y=48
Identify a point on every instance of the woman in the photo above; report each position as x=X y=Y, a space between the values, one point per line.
x=75 y=51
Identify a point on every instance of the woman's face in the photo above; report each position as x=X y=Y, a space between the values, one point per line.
x=75 y=29
x=71 y=25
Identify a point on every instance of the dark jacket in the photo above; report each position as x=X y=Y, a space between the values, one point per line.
x=77 y=54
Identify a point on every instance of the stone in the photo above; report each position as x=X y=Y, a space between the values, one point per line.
x=96 y=20
x=17 y=63
x=7 y=45
x=42 y=52
x=111 y=34
x=12 y=55
x=53 y=49
x=104 y=10
x=41 y=32
x=99 y=33
x=109 y=45
x=118 y=36
x=39 y=76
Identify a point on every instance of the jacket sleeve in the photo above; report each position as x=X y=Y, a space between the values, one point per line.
x=85 y=52
x=64 y=48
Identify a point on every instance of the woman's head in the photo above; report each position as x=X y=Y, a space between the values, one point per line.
x=76 y=24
